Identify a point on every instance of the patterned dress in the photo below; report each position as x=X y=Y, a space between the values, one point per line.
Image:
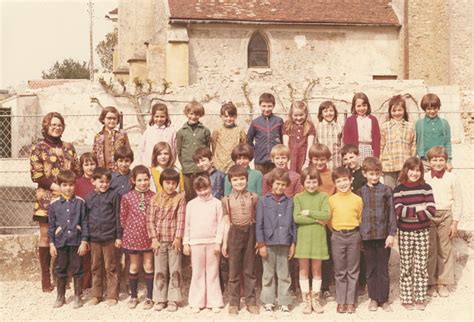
x=298 y=143
x=105 y=146
x=330 y=134
x=223 y=141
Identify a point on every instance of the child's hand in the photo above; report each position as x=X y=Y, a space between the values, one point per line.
x=155 y=244
x=305 y=212
x=263 y=251
x=389 y=242
x=449 y=167
x=291 y=251
x=187 y=250
x=177 y=244
x=322 y=222
x=420 y=208
x=217 y=249
x=83 y=248
x=224 y=251
x=118 y=243
x=453 y=230
x=52 y=250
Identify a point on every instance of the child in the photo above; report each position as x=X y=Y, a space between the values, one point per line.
x=165 y=226
x=192 y=136
x=414 y=207
x=276 y=238
x=105 y=234
x=351 y=160
x=319 y=156
x=346 y=209
x=159 y=130
x=239 y=240
x=432 y=130
x=330 y=132
x=397 y=140
x=134 y=206
x=202 y=240
x=226 y=137
x=265 y=131
x=444 y=224
x=242 y=154
x=162 y=158
x=68 y=212
x=298 y=135
x=310 y=215
x=203 y=159
x=280 y=158
x=362 y=128
x=120 y=182
x=108 y=140
x=377 y=229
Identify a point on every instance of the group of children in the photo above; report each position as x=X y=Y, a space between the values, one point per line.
x=315 y=194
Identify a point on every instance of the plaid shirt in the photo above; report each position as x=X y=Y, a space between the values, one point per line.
x=398 y=143
x=378 y=214
x=165 y=221
x=330 y=134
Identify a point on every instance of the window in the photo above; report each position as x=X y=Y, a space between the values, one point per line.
x=384 y=77
x=258 y=53
x=5 y=133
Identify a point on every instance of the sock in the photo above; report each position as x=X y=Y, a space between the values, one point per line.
x=133 y=283
x=304 y=285
x=316 y=285
x=149 y=285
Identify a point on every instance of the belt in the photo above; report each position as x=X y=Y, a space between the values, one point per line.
x=345 y=231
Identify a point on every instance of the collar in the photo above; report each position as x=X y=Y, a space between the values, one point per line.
x=332 y=123
x=104 y=131
x=277 y=199
x=429 y=119
x=159 y=126
x=393 y=123
x=437 y=174
x=206 y=199
x=239 y=195
x=63 y=198
x=119 y=174
x=374 y=186
x=344 y=193
x=410 y=184
x=51 y=140
x=230 y=126
x=188 y=126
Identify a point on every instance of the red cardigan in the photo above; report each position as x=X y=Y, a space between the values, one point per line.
x=350 y=134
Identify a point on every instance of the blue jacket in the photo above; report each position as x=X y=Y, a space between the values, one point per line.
x=275 y=225
x=67 y=222
x=217 y=183
x=103 y=211
x=120 y=183
x=266 y=132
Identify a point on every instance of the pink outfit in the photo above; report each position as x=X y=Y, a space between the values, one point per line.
x=152 y=135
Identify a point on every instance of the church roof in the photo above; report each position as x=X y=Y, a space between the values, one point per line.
x=331 y=12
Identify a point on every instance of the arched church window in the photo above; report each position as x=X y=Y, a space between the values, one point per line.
x=258 y=51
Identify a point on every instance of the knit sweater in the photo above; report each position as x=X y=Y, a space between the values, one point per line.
x=350 y=133
x=346 y=210
x=447 y=193
x=327 y=185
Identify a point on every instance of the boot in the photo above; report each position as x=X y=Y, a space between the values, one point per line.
x=315 y=304
x=45 y=262
x=307 y=303
x=77 y=292
x=61 y=289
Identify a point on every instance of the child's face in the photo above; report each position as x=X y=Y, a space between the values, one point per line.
x=123 y=165
x=110 y=120
x=169 y=186
x=266 y=108
x=239 y=184
x=204 y=164
x=101 y=184
x=397 y=112
x=413 y=175
x=438 y=163
x=321 y=163
x=88 y=168
x=204 y=193
x=67 y=189
x=280 y=161
x=343 y=184
x=311 y=185
x=432 y=111
x=163 y=158
x=193 y=117
x=229 y=120
x=298 y=116
x=243 y=161
x=329 y=114
x=361 y=107
x=278 y=187
x=142 y=182
x=372 y=176
x=160 y=118
x=351 y=161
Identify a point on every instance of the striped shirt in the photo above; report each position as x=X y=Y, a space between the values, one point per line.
x=397 y=143
x=165 y=221
x=408 y=199
x=330 y=134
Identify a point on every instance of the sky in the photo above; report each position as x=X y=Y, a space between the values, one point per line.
x=35 y=34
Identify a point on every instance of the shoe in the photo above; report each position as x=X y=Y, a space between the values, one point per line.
x=373 y=305
x=195 y=310
x=268 y=308
x=307 y=303
x=341 y=308
x=216 y=310
x=78 y=282
x=253 y=309
x=284 y=309
x=351 y=308
x=132 y=303
x=408 y=306
x=315 y=303
x=420 y=306
x=172 y=306
x=61 y=290
x=432 y=291
x=160 y=306
x=148 y=305
x=386 y=307
x=233 y=310
x=111 y=302
x=443 y=291
x=45 y=262
x=94 y=301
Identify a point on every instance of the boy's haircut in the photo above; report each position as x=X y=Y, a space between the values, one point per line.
x=341 y=172
x=412 y=163
x=349 y=148
x=229 y=108
x=267 y=98
x=278 y=174
x=87 y=156
x=194 y=107
x=242 y=150
x=201 y=181
x=318 y=150
x=160 y=146
x=437 y=152
x=364 y=98
x=140 y=169
x=47 y=121
x=398 y=100
x=111 y=109
x=430 y=100
x=280 y=149
x=66 y=176
x=371 y=164
x=237 y=171
x=324 y=105
x=162 y=108
x=200 y=153
x=123 y=152
x=100 y=172
x=169 y=174
x=311 y=172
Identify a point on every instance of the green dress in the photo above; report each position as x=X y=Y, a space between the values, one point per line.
x=311 y=242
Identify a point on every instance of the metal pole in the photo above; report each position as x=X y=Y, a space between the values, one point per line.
x=90 y=10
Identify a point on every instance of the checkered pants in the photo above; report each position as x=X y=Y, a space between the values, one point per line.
x=365 y=150
x=413 y=265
